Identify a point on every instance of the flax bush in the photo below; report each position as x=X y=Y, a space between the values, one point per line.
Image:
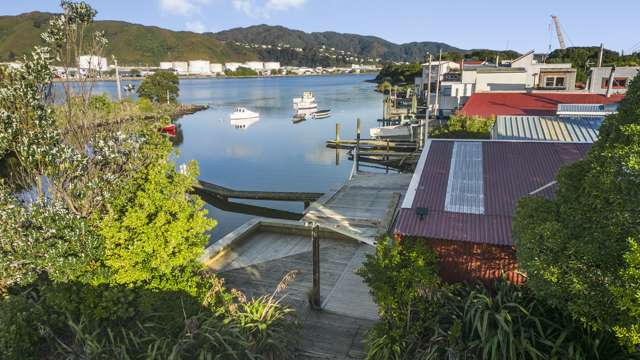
x=422 y=318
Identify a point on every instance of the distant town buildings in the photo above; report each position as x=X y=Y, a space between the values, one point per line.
x=93 y=63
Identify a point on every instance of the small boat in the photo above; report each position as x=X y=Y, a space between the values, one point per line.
x=407 y=132
x=129 y=88
x=171 y=130
x=306 y=102
x=242 y=113
x=322 y=114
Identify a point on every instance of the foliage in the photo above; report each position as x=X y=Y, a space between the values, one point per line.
x=98 y=252
x=241 y=71
x=581 y=249
x=384 y=87
x=399 y=74
x=153 y=231
x=583 y=58
x=399 y=275
x=422 y=318
x=161 y=87
x=464 y=127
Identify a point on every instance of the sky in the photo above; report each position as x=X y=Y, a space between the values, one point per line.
x=467 y=24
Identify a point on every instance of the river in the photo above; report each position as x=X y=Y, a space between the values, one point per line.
x=273 y=154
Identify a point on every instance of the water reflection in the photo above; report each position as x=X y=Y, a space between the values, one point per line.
x=244 y=123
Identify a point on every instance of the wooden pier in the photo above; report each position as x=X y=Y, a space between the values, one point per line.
x=256 y=256
x=226 y=193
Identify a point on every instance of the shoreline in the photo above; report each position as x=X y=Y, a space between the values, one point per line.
x=195 y=77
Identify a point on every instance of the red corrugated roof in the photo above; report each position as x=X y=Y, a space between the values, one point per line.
x=474 y=62
x=541 y=104
x=511 y=170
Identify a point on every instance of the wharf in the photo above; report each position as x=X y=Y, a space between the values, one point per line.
x=256 y=256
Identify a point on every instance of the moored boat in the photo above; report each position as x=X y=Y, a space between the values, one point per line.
x=243 y=113
x=322 y=114
x=306 y=102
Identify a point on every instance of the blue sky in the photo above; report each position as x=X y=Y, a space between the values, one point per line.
x=496 y=24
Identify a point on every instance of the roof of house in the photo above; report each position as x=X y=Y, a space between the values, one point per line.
x=500 y=69
x=469 y=189
x=474 y=62
x=541 y=104
x=547 y=128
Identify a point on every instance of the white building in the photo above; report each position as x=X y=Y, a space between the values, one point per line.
x=232 y=66
x=598 y=81
x=254 y=65
x=199 y=67
x=546 y=76
x=182 y=67
x=216 y=68
x=166 y=65
x=271 y=65
x=93 y=63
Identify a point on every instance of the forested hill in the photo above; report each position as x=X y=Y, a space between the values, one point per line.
x=367 y=47
x=132 y=44
x=148 y=45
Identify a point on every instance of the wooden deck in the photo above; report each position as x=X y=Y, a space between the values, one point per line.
x=256 y=257
x=365 y=206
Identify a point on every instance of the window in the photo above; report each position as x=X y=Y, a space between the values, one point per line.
x=618 y=83
x=554 y=82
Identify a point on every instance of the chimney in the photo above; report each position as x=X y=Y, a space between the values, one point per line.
x=611 y=79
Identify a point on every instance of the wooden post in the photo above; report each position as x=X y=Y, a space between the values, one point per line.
x=357 y=152
x=388 y=151
x=119 y=90
x=315 y=295
x=337 y=133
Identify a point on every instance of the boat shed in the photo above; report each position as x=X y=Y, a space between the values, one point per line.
x=463 y=196
x=547 y=128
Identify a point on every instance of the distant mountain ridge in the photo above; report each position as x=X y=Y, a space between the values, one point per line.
x=363 y=46
x=138 y=45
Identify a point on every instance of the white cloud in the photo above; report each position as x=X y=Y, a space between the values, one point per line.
x=195 y=26
x=182 y=7
x=257 y=8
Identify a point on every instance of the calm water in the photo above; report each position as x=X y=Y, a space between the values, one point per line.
x=273 y=154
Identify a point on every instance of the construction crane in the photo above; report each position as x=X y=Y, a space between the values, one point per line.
x=563 y=45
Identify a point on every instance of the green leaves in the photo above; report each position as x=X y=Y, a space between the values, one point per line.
x=579 y=249
x=154 y=230
x=160 y=87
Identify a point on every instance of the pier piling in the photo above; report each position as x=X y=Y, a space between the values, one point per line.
x=337 y=133
x=315 y=294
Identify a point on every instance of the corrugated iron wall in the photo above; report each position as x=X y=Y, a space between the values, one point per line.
x=461 y=261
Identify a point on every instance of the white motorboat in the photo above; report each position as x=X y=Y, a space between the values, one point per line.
x=242 y=113
x=306 y=102
x=406 y=132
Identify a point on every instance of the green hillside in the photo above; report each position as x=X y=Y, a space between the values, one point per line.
x=360 y=45
x=148 y=45
x=132 y=44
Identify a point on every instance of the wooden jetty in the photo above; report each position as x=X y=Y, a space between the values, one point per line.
x=226 y=193
x=256 y=256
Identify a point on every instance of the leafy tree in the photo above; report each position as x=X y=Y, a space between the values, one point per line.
x=153 y=231
x=399 y=74
x=241 y=71
x=464 y=127
x=581 y=249
x=160 y=87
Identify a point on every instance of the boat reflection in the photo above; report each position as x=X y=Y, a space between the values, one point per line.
x=243 y=123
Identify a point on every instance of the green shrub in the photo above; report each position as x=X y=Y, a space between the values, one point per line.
x=161 y=87
x=464 y=127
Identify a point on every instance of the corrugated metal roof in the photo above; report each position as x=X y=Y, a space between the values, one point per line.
x=511 y=170
x=465 y=190
x=547 y=128
x=540 y=104
x=600 y=110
